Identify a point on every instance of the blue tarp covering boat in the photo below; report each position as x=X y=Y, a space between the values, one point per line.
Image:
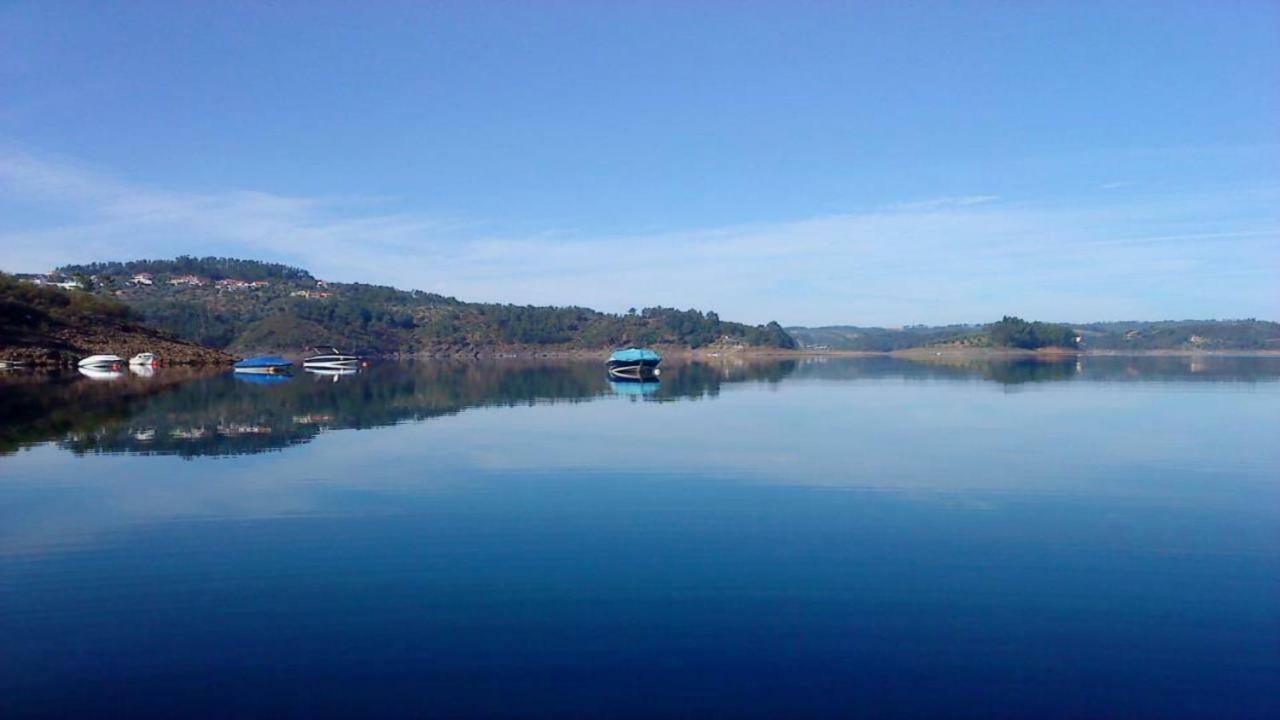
x=633 y=363
x=263 y=364
x=643 y=356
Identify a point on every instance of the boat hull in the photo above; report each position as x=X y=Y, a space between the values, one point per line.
x=633 y=370
x=332 y=361
x=101 y=361
x=351 y=364
x=267 y=370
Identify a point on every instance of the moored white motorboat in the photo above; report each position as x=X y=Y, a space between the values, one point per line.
x=331 y=358
x=144 y=359
x=101 y=361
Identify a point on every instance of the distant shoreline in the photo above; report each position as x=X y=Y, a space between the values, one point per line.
x=1047 y=354
x=778 y=353
x=713 y=355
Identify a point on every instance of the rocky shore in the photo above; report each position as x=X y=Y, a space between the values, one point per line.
x=65 y=345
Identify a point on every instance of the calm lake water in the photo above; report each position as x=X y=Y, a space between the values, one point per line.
x=790 y=539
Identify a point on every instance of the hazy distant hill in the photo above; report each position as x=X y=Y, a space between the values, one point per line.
x=1248 y=334
x=876 y=339
x=253 y=306
x=1009 y=332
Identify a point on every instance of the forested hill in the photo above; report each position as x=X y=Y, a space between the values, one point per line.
x=211 y=268
x=249 y=306
x=1181 y=335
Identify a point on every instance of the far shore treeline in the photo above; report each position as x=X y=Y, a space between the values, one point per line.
x=250 y=306
x=1249 y=335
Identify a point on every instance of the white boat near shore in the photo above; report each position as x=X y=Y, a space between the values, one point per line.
x=331 y=358
x=101 y=361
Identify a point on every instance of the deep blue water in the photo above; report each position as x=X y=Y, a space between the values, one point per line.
x=865 y=537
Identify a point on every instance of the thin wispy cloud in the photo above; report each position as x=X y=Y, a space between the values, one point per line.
x=952 y=259
x=947 y=202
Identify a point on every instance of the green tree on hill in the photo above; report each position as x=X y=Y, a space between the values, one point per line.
x=214 y=268
x=1018 y=333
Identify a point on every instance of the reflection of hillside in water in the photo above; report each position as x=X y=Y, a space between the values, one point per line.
x=191 y=414
x=1022 y=370
x=220 y=414
x=36 y=407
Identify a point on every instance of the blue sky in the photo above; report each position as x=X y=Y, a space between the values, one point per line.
x=814 y=163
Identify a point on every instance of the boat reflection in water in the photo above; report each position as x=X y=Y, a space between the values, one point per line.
x=145 y=371
x=254 y=379
x=331 y=372
x=211 y=412
x=101 y=373
x=634 y=388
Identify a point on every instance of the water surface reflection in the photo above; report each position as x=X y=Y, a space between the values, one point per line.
x=835 y=537
x=191 y=413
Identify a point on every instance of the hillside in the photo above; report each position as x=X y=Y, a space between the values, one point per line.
x=1008 y=332
x=1167 y=335
x=1247 y=334
x=877 y=339
x=248 y=306
x=49 y=326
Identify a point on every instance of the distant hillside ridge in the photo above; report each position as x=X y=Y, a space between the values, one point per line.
x=212 y=268
x=247 y=306
x=51 y=326
x=1172 y=335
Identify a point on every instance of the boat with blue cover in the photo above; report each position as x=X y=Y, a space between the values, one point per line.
x=633 y=363
x=263 y=365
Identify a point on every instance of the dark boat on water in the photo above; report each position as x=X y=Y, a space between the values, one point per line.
x=633 y=364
